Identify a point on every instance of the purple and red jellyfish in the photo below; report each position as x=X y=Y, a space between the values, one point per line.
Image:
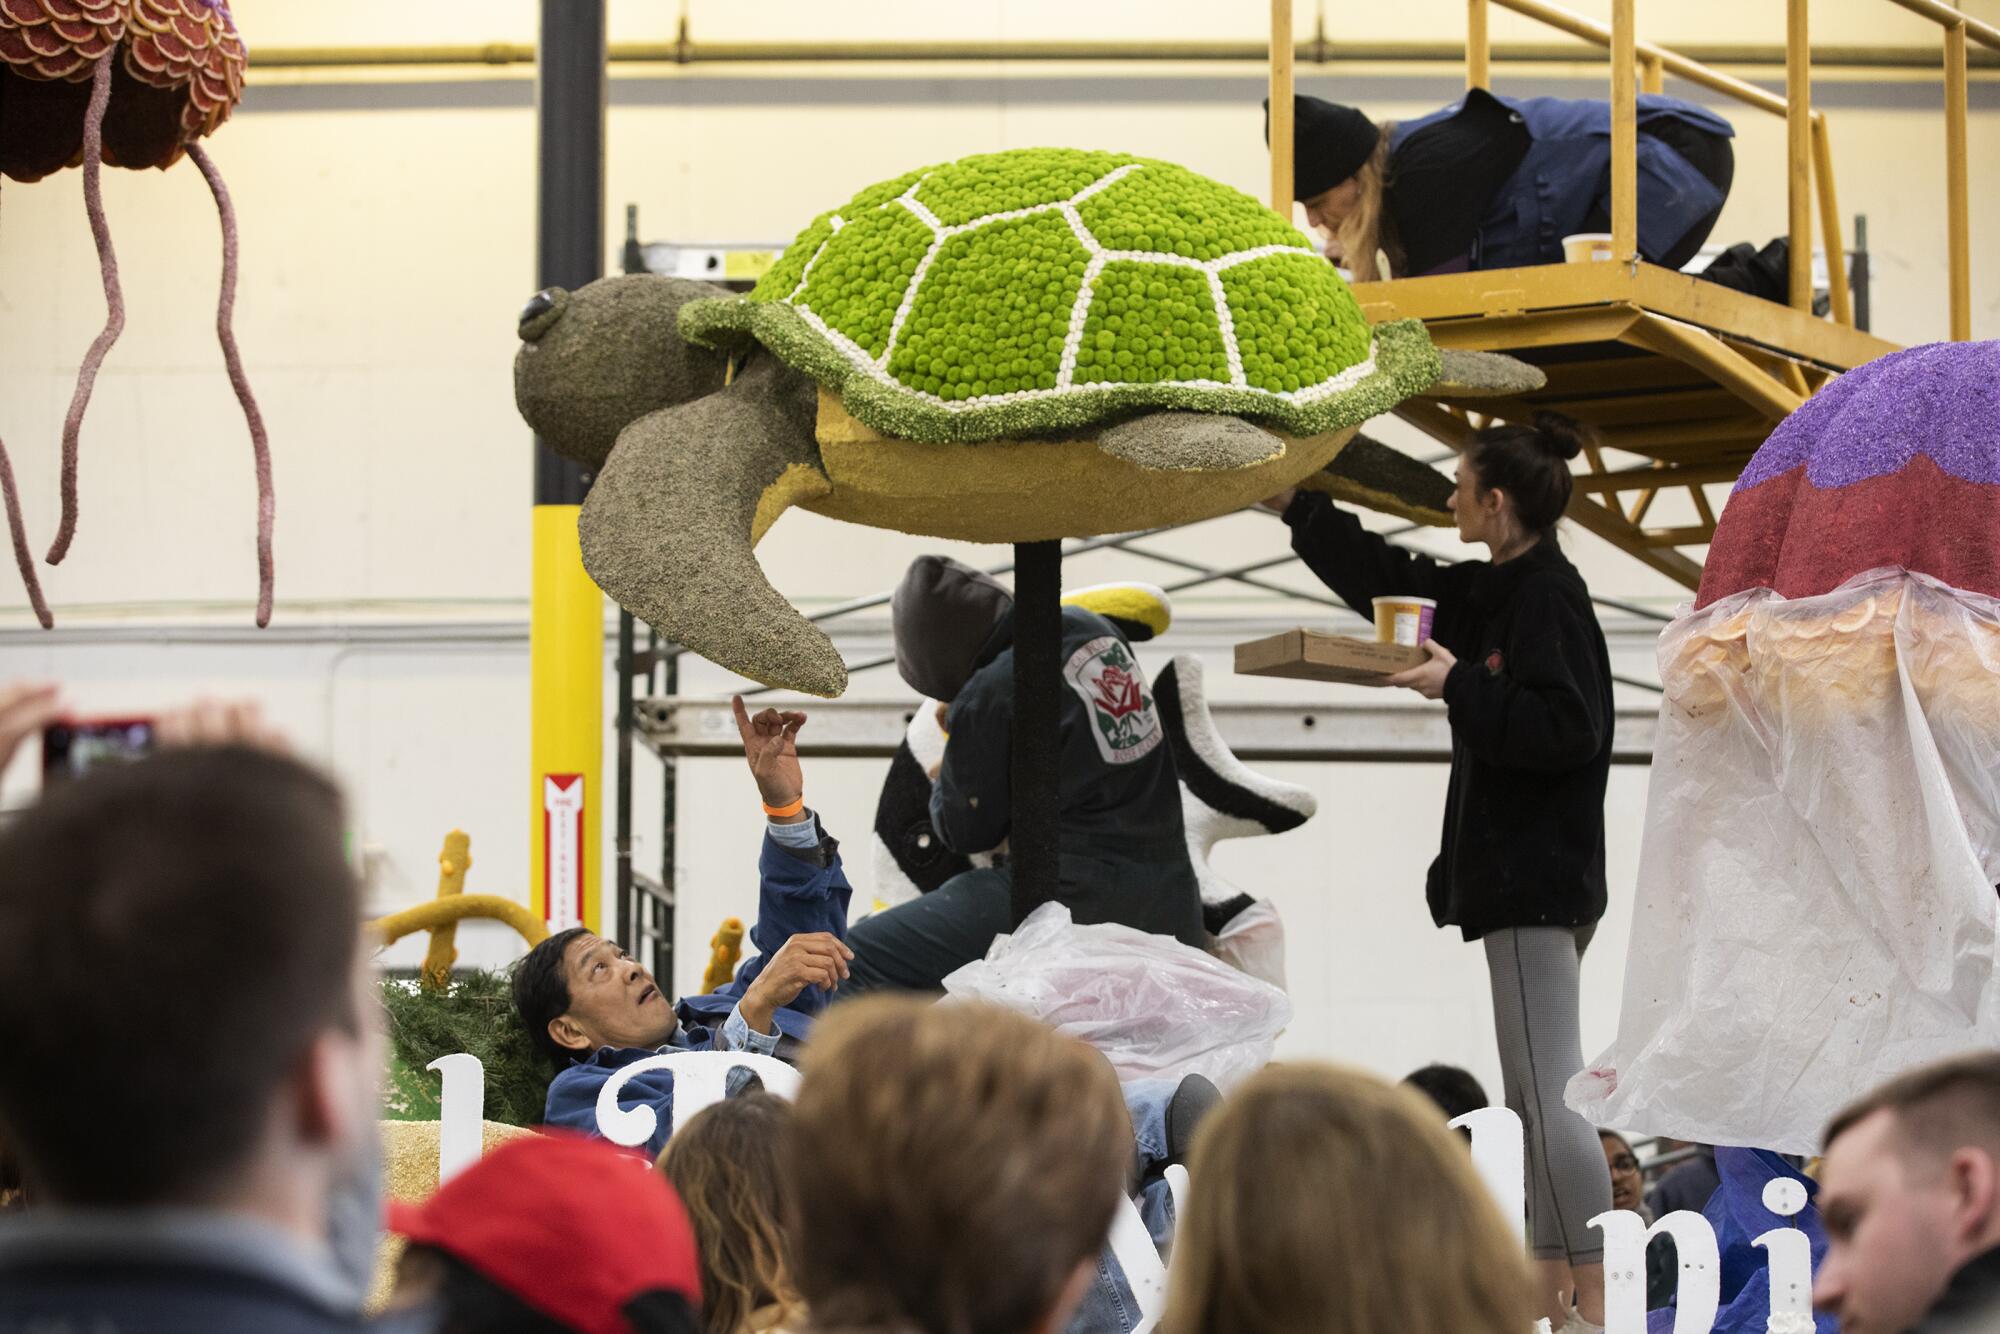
x=1815 y=907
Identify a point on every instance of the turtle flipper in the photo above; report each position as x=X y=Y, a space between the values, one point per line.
x=670 y=523
x=1370 y=473
x=1484 y=375
x=1189 y=442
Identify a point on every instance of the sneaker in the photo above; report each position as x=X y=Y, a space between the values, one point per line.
x=1576 y=1324
x=1192 y=1101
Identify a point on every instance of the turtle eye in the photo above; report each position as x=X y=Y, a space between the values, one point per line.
x=544 y=308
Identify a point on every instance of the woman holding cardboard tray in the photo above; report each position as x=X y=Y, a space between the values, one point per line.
x=1518 y=658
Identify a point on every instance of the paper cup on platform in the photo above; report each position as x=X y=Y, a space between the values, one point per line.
x=1403 y=620
x=1587 y=247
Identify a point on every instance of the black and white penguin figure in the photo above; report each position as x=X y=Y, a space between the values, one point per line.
x=1221 y=797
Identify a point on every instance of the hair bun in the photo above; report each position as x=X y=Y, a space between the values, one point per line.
x=1561 y=435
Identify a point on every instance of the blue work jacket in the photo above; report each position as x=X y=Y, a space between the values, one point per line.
x=799 y=891
x=1567 y=173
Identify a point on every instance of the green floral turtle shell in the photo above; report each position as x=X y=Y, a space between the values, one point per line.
x=1045 y=289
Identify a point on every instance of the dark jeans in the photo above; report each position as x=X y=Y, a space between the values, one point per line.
x=915 y=945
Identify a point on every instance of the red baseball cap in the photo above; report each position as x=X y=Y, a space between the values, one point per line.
x=573 y=1227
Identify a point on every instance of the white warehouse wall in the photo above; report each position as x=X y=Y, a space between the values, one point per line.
x=387 y=244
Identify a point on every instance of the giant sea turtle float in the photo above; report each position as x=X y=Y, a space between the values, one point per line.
x=1014 y=347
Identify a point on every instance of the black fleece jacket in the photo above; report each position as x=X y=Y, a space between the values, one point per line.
x=1531 y=717
x=1124 y=853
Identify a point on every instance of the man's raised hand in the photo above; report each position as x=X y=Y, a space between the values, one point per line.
x=810 y=959
x=770 y=745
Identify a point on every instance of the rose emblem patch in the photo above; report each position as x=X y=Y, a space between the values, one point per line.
x=1106 y=676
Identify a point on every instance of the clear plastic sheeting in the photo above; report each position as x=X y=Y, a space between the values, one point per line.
x=1155 y=1007
x=1815 y=907
x=1254 y=941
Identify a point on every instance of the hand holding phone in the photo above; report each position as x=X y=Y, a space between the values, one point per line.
x=72 y=747
x=25 y=708
x=221 y=722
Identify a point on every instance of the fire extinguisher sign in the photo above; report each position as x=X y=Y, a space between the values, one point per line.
x=562 y=848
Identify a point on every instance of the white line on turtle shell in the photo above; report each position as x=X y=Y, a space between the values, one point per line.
x=1235 y=257
x=1105 y=182
x=837 y=223
x=1083 y=234
x=1227 y=323
x=1078 y=314
x=908 y=199
x=909 y=299
x=861 y=361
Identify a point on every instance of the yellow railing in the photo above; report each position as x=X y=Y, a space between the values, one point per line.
x=1958 y=217
x=1809 y=154
x=1636 y=65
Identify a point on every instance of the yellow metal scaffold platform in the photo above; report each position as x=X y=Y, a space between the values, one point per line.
x=1681 y=379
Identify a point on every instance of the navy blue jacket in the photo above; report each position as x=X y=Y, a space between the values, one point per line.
x=107 y=1271
x=798 y=892
x=1566 y=176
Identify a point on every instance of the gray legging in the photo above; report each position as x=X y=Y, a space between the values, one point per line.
x=1534 y=975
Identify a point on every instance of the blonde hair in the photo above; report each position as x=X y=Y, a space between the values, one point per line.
x=1324 y=1201
x=728 y=1166
x=1362 y=232
x=954 y=1165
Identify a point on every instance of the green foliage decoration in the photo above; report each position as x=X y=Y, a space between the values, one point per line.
x=993 y=319
x=1180 y=213
x=1295 y=320
x=474 y=1015
x=1149 y=323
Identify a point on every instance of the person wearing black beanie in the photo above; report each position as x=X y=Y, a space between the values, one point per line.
x=1330 y=143
x=1494 y=182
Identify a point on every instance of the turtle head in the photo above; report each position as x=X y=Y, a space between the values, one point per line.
x=595 y=360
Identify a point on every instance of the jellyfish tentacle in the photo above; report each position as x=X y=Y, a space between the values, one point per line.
x=114 y=299
x=225 y=333
x=24 y=559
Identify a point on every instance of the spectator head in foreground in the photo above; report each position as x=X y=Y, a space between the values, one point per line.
x=551 y=1234
x=577 y=991
x=1324 y=1199
x=730 y=1168
x=187 y=926
x=1910 y=1196
x=1454 y=1090
x=956 y=1166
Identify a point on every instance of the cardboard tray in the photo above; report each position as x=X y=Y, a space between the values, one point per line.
x=1310 y=656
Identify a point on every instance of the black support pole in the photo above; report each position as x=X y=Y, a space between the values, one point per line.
x=569 y=189
x=565 y=609
x=1033 y=842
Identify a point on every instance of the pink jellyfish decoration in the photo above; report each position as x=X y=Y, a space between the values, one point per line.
x=128 y=83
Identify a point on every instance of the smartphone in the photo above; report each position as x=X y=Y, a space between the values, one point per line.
x=72 y=747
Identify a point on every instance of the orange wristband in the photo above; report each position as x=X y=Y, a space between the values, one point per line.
x=786 y=811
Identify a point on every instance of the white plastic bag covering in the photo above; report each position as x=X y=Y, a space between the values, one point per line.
x=1254 y=942
x=1816 y=904
x=1153 y=1006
